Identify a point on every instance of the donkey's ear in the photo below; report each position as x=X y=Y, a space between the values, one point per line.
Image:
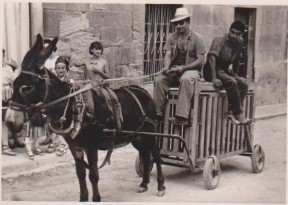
x=47 y=51
x=38 y=44
x=32 y=55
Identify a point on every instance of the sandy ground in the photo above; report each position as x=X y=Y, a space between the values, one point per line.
x=119 y=181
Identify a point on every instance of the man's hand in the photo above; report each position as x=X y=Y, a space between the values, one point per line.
x=217 y=83
x=165 y=71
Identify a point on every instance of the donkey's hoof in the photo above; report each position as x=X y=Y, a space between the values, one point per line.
x=161 y=193
x=142 y=189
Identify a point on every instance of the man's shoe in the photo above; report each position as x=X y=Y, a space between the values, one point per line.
x=6 y=150
x=243 y=120
x=179 y=120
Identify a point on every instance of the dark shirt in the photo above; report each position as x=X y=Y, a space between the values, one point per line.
x=180 y=58
x=226 y=52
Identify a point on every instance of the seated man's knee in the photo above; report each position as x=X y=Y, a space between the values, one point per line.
x=186 y=80
x=231 y=81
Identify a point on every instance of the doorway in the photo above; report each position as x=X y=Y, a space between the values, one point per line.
x=248 y=17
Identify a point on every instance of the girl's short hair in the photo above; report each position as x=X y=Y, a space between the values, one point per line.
x=96 y=45
x=62 y=59
x=48 y=41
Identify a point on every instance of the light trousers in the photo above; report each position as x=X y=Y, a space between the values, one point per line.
x=186 y=91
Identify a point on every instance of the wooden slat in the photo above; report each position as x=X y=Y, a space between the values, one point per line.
x=194 y=129
x=224 y=125
x=213 y=127
x=208 y=127
x=203 y=128
x=233 y=138
x=219 y=135
x=237 y=140
x=228 y=137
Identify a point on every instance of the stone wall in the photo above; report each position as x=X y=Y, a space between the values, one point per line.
x=270 y=61
x=270 y=55
x=119 y=27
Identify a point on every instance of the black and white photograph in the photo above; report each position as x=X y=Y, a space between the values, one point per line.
x=144 y=102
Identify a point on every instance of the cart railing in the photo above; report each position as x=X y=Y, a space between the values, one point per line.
x=211 y=133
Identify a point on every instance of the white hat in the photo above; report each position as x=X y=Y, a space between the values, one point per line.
x=180 y=14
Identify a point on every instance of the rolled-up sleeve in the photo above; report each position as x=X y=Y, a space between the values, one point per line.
x=216 y=46
x=168 y=44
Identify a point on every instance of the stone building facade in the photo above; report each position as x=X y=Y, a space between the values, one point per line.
x=121 y=29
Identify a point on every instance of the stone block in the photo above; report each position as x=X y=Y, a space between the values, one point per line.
x=63 y=47
x=111 y=57
x=135 y=70
x=120 y=71
x=125 y=55
x=111 y=18
x=125 y=19
x=109 y=35
x=119 y=7
x=73 y=23
x=222 y=15
x=54 y=6
x=138 y=13
x=82 y=7
x=202 y=15
x=96 y=19
x=51 y=19
x=124 y=36
x=98 y=7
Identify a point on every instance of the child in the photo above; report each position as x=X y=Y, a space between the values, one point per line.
x=97 y=67
x=61 y=69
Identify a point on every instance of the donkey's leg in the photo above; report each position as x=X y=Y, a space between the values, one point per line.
x=157 y=158
x=145 y=156
x=92 y=156
x=81 y=173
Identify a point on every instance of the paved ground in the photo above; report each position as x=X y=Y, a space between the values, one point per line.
x=20 y=165
x=119 y=181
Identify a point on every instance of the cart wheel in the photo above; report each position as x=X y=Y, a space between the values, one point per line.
x=139 y=167
x=211 y=173
x=257 y=159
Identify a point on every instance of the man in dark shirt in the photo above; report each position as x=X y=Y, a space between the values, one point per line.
x=184 y=57
x=226 y=50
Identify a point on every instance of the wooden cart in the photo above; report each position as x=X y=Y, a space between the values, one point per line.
x=212 y=135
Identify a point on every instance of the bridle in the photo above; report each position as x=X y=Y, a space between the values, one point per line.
x=26 y=108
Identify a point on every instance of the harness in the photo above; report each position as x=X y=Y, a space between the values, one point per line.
x=109 y=96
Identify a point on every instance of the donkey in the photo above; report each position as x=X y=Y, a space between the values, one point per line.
x=36 y=89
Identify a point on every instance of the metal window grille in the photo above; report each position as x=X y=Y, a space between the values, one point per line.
x=157 y=29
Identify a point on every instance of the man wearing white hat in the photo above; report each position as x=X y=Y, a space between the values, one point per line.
x=183 y=60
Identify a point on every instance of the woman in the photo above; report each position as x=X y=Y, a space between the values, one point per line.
x=97 y=67
x=61 y=69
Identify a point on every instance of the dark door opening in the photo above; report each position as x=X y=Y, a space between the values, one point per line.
x=248 y=17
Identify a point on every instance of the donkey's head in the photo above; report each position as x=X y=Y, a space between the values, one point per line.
x=30 y=87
